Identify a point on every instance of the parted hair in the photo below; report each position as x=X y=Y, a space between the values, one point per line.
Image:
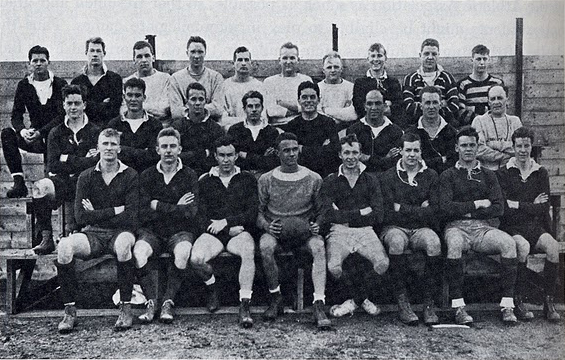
x=252 y=94
x=308 y=85
x=135 y=83
x=73 y=89
x=523 y=132
x=410 y=137
x=224 y=140
x=430 y=90
x=196 y=39
x=168 y=131
x=96 y=40
x=467 y=130
x=109 y=132
x=349 y=139
x=195 y=86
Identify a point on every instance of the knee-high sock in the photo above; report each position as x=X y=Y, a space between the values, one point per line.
x=454 y=270
x=550 y=273
x=174 y=282
x=432 y=276
x=68 y=281
x=11 y=150
x=43 y=207
x=508 y=276
x=126 y=277
x=521 y=276
x=397 y=270
x=146 y=282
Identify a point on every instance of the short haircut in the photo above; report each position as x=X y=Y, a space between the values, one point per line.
x=196 y=39
x=253 y=94
x=430 y=90
x=331 y=55
x=377 y=47
x=289 y=45
x=480 y=49
x=195 y=86
x=373 y=90
x=241 y=49
x=308 y=85
x=410 y=137
x=523 y=132
x=349 y=139
x=467 y=130
x=72 y=90
x=285 y=136
x=142 y=45
x=135 y=83
x=96 y=40
x=224 y=140
x=37 y=49
x=429 y=42
x=109 y=132
x=504 y=87
x=168 y=131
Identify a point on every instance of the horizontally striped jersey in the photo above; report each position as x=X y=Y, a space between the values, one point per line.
x=473 y=97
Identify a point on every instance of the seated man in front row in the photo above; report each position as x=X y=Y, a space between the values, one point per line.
x=168 y=197
x=289 y=214
x=228 y=212
x=410 y=197
x=106 y=204
x=353 y=204
x=525 y=185
x=470 y=196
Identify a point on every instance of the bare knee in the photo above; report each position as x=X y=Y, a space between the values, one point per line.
x=395 y=244
x=454 y=247
x=381 y=266
x=65 y=250
x=181 y=253
x=317 y=248
x=123 y=246
x=267 y=245
x=550 y=246
x=335 y=269
x=522 y=247
x=141 y=253
x=433 y=246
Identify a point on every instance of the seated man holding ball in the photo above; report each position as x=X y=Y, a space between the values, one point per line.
x=289 y=214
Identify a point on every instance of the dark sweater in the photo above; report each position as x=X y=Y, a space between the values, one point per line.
x=169 y=218
x=196 y=138
x=457 y=194
x=61 y=141
x=311 y=135
x=109 y=86
x=123 y=190
x=42 y=117
x=378 y=147
x=442 y=145
x=391 y=91
x=349 y=200
x=238 y=203
x=255 y=149
x=411 y=215
x=138 y=149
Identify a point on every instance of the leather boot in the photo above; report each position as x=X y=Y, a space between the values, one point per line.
x=19 y=189
x=430 y=317
x=68 y=323
x=275 y=307
x=213 y=303
x=549 y=309
x=245 y=319
x=47 y=245
x=520 y=309
x=125 y=319
x=407 y=316
x=322 y=321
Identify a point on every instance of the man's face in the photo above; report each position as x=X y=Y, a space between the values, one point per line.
x=226 y=157
x=523 y=149
x=497 y=100
x=39 y=64
x=411 y=153
x=196 y=101
x=143 y=60
x=95 y=54
x=168 y=148
x=288 y=153
x=374 y=106
x=308 y=101
x=74 y=106
x=332 y=70
x=428 y=57
x=253 y=109
x=242 y=63
x=467 y=148
x=109 y=147
x=134 y=98
x=288 y=60
x=349 y=155
x=431 y=104
x=196 y=54
x=376 y=59
x=480 y=62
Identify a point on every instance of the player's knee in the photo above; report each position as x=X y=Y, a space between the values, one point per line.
x=381 y=266
x=267 y=245
x=433 y=246
x=141 y=254
x=317 y=248
x=522 y=247
x=246 y=247
x=335 y=268
x=123 y=246
x=507 y=246
x=550 y=246
x=182 y=252
x=395 y=244
x=65 y=250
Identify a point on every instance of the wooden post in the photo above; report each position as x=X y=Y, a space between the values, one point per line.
x=335 y=36
x=519 y=67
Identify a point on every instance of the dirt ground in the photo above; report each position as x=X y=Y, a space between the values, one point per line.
x=291 y=336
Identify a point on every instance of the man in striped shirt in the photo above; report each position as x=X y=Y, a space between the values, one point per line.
x=473 y=90
x=430 y=73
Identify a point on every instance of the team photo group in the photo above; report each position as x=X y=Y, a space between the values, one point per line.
x=194 y=165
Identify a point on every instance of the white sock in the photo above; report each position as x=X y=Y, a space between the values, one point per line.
x=210 y=281
x=275 y=290
x=319 y=297
x=245 y=294
x=507 y=302
x=455 y=303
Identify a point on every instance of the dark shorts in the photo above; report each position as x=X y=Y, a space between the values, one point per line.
x=530 y=232
x=160 y=244
x=102 y=240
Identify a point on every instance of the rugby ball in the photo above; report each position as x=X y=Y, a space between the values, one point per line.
x=295 y=229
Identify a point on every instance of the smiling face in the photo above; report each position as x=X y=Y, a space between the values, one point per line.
x=39 y=65
x=109 y=147
x=308 y=101
x=134 y=98
x=332 y=70
x=350 y=154
x=74 y=106
x=168 y=148
x=497 y=100
x=411 y=154
x=95 y=54
x=376 y=60
x=288 y=60
x=143 y=60
x=428 y=58
x=523 y=149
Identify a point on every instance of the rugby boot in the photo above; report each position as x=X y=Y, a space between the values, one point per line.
x=430 y=317
x=405 y=313
x=549 y=309
x=167 y=312
x=461 y=316
x=150 y=311
x=275 y=307
x=19 y=189
x=125 y=319
x=213 y=304
x=521 y=311
x=68 y=323
x=47 y=245
x=370 y=307
x=245 y=319
x=322 y=322
x=508 y=316
x=347 y=308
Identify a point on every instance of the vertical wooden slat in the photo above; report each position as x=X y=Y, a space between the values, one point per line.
x=519 y=67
